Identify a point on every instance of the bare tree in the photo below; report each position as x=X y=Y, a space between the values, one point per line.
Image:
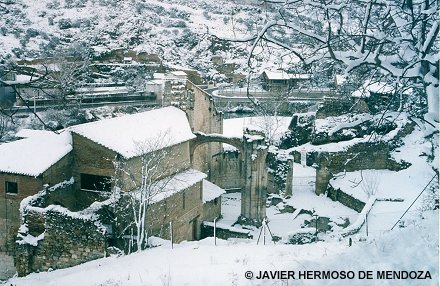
x=370 y=183
x=57 y=78
x=394 y=41
x=4 y=126
x=139 y=183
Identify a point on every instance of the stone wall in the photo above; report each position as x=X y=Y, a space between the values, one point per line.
x=254 y=179
x=184 y=209
x=7 y=268
x=224 y=232
x=212 y=209
x=91 y=158
x=361 y=156
x=227 y=173
x=345 y=199
x=68 y=240
x=10 y=204
x=204 y=117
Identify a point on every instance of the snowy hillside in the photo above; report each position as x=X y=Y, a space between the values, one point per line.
x=180 y=32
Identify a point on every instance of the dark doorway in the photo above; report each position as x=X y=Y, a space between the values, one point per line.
x=95 y=183
x=195 y=228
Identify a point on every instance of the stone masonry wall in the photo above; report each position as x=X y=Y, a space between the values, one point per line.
x=204 y=117
x=227 y=174
x=358 y=157
x=212 y=209
x=223 y=233
x=10 y=203
x=91 y=158
x=345 y=199
x=68 y=241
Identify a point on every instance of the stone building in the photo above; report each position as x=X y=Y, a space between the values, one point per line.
x=99 y=157
x=282 y=81
x=26 y=166
x=181 y=149
x=121 y=147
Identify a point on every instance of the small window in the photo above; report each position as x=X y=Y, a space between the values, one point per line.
x=215 y=201
x=11 y=188
x=183 y=200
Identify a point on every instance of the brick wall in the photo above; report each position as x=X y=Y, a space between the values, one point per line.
x=176 y=159
x=186 y=217
x=92 y=158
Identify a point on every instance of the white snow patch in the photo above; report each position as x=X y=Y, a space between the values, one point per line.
x=177 y=183
x=211 y=191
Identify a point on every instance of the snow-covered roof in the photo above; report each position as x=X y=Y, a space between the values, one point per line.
x=280 y=75
x=136 y=134
x=167 y=187
x=211 y=191
x=20 y=79
x=158 y=75
x=179 y=73
x=34 y=155
x=27 y=133
x=340 y=79
x=155 y=82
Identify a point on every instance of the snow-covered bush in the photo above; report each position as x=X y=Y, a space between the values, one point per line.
x=65 y=23
x=303 y=236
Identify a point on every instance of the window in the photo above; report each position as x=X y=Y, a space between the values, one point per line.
x=95 y=183
x=183 y=200
x=11 y=188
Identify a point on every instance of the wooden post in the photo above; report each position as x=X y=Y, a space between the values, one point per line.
x=171 y=234
x=215 y=228
x=264 y=231
x=366 y=223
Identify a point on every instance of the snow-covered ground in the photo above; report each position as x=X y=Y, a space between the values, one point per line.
x=413 y=248
x=406 y=185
